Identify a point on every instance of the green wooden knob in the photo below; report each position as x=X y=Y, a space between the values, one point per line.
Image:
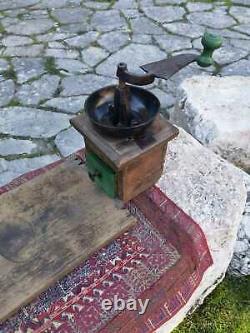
x=210 y=43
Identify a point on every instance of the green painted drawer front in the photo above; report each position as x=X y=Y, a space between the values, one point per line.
x=101 y=174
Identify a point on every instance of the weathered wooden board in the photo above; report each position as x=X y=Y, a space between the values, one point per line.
x=47 y=227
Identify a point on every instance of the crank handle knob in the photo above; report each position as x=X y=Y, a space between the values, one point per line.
x=210 y=43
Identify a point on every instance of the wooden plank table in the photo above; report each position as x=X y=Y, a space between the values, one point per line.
x=48 y=226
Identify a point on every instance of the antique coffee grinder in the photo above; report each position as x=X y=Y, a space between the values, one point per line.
x=125 y=136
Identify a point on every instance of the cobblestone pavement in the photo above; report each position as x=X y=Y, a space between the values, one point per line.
x=55 y=52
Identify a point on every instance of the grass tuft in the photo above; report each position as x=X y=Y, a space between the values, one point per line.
x=226 y=310
x=50 y=66
x=10 y=74
x=226 y=2
x=14 y=102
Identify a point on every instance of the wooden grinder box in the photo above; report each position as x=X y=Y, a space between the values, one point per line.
x=124 y=168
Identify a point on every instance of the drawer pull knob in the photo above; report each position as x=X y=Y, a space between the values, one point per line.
x=94 y=175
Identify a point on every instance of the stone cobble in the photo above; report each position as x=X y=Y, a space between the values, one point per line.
x=53 y=53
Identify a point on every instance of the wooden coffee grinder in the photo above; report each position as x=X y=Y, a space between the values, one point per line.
x=125 y=136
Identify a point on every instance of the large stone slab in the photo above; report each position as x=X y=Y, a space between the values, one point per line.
x=69 y=141
x=83 y=84
x=133 y=55
x=6 y=4
x=217 y=18
x=164 y=14
x=240 y=264
x=114 y=40
x=10 y=146
x=16 y=41
x=216 y=111
x=71 y=15
x=94 y=55
x=242 y=14
x=23 y=51
x=28 y=68
x=4 y=65
x=31 y=122
x=107 y=21
x=68 y=66
x=73 y=104
x=82 y=41
x=212 y=192
x=15 y=168
x=63 y=54
x=56 y=4
x=30 y=27
x=144 y=25
x=185 y=29
x=241 y=67
x=7 y=90
x=35 y=92
x=171 y=43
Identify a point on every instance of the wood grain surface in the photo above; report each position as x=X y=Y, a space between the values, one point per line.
x=118 y=152
x=47 y=227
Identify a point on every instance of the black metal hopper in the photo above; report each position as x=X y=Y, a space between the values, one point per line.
x=101 y=109
x=125 y=110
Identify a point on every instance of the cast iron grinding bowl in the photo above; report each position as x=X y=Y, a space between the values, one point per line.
x=144 y=107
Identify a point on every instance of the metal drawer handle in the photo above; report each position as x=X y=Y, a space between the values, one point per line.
x=94 y=175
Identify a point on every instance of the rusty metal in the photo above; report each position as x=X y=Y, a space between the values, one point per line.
x=126 y=110
x=164 y=69
x=139 y=80
x=108 y=118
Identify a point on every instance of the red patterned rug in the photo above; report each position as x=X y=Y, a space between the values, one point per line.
x=163 y=259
